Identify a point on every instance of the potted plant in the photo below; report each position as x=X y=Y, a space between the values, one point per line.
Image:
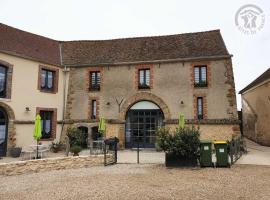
x=76 y=140
x=181 y=146
x=56 y=146
x=15 y=151
x=75 y=150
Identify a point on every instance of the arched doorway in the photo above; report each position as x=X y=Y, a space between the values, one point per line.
x=3 y=132
x=142 y=122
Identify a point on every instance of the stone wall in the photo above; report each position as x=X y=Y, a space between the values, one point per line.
x=255 y=111
x=171 y=85
x=33 y=166
x=214 y=131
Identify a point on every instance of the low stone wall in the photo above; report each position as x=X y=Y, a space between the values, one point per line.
x=32 y=166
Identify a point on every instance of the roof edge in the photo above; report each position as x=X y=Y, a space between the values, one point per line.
x=154 y=61
x=12 y=53
x=254 y=83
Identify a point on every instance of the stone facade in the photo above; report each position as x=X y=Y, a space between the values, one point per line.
x=255 y=113
x=41 y=165
x=170 y=90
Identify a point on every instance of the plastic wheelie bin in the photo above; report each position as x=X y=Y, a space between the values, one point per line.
x=221 y=148
x=206 y=153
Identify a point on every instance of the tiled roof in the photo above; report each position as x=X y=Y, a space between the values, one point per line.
x=257 y=81
x=28 y=45
x=189 y=45
x=128 y=50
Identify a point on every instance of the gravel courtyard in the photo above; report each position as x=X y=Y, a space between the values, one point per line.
x=144 y=181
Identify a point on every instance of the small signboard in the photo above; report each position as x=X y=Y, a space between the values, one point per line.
x=206 y=148
x=221 y=150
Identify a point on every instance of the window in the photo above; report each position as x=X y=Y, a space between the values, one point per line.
x=200 y=76
x=200 y=107
x=3 y=81
x=46 y=124
x=94 y=81
x=94 y=109
x=144 y=78
x=47 y=80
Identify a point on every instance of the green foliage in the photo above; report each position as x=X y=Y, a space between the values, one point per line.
x=75 y=149
x=183 y=142
x=76 y=137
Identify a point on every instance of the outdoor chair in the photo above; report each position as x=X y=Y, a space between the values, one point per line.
x=27 y=152
x=43 y=150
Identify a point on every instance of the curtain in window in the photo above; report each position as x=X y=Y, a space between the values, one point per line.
x=94 y=108
x=197 y=74
x=50 y=79
x=203 y=73
x=141 y=77
x=43 y=78
x=3 y=77
x=200 y=106
x=144 y=77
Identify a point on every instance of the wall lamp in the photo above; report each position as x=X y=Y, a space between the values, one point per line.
x=27 y=109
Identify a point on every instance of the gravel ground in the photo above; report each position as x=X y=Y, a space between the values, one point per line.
x=144 y=181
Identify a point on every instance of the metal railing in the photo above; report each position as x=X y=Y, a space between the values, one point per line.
x=237 y=147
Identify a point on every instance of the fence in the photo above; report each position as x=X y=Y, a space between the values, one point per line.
x=237 y=147
x=108 y=148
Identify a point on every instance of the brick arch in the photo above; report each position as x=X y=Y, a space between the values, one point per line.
x=11 y=126
x=144 y=96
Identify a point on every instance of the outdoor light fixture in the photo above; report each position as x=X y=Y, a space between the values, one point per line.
x=108 y=103
x=27 y=109
x=182 y=102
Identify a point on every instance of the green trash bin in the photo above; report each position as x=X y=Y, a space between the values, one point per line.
x=222 y=156
x=206 y=153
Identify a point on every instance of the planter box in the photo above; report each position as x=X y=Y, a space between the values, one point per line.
x=172 y=160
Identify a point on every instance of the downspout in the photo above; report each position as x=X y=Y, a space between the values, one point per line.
x=65 y=70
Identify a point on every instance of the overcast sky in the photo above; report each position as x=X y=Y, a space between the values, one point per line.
x=106 y=19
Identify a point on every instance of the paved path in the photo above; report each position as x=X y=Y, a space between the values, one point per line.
x=257 y=154
x=139 y=182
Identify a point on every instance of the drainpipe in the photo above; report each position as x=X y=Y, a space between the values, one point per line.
x=65 y=70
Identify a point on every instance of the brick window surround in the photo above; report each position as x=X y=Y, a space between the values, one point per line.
x=90 y=107
x=55 y=79
x=88 y=78
x=208 y=73
x=195 y=96
x=137 y=76
x=54 y=121
x=8 y=78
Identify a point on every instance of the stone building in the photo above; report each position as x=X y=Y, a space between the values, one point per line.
x=256 y=109
x=136 y=84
